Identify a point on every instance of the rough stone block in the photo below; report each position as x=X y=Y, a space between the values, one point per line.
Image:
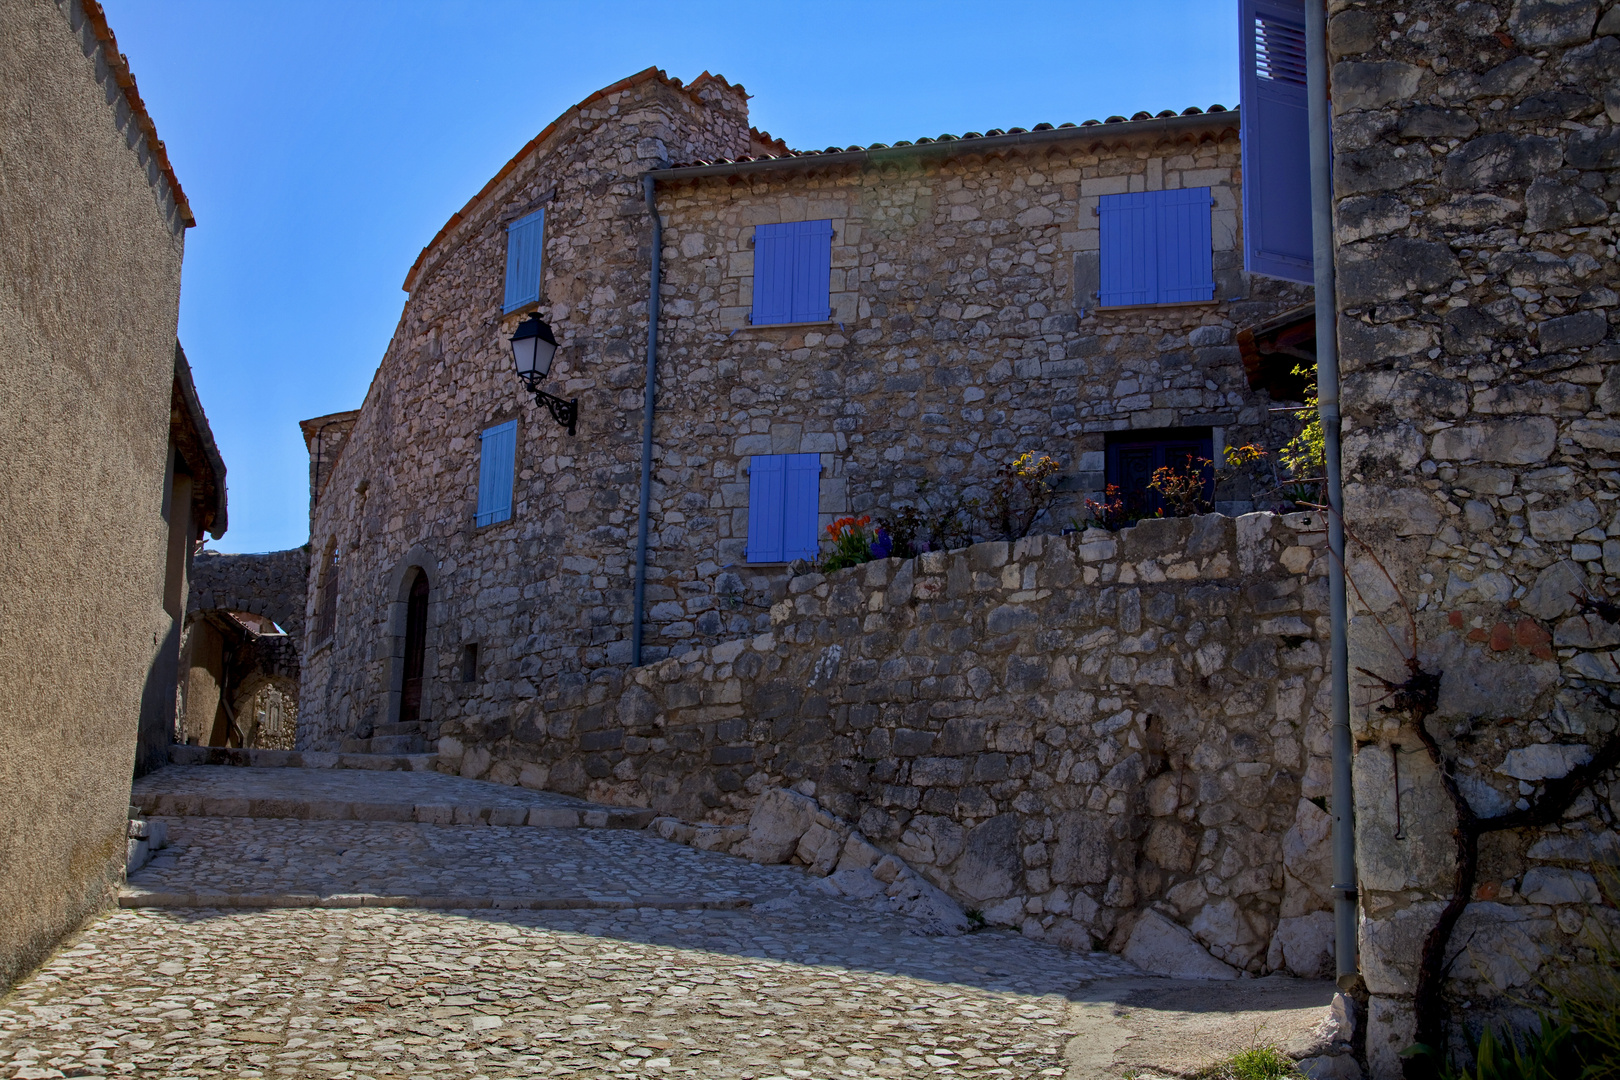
x=1165 y=948
x=779 y=819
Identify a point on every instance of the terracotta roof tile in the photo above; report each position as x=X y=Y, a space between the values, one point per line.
x=926 y=141
x=119 y=65
x=645 y=75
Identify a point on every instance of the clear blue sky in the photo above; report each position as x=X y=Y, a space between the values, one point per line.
x=322 y=144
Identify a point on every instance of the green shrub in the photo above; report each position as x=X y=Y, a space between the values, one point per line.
x=1256 y=1063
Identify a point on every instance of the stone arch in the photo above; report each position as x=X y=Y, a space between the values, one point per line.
x=271 y=584
x=418 y=562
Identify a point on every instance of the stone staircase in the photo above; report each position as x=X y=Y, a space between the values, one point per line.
x=405 y=738
x=213 y=781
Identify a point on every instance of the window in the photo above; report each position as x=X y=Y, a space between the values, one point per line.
x=784 y=499
x=525 y=244
x=1133 y=456
x=469 y=662
x=1156 y=247
x=792 y=272
x=496 y=461
x=1276 y=141
x=326 y=593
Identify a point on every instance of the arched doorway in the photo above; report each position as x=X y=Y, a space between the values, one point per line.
x=416 y=620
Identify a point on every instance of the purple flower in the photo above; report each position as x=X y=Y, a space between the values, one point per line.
x=882 y=546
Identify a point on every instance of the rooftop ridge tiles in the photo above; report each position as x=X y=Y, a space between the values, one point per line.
x=992 y=133
x=118 y=64
x=646 y=74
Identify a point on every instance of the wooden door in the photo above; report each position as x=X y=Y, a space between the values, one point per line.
x=416 y=613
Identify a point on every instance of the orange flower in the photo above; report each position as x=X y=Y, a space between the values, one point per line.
x=848 y=525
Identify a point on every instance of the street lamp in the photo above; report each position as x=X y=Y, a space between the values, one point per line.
x=533 y=347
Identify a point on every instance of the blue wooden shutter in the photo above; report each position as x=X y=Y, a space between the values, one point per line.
x=1183 y=264
x=792 y=272
x=525 y=245
x=1276 y=140
x=766 y=491
x=1126 y=233
x=802 y=503
x=812 y=271
x=496 y=461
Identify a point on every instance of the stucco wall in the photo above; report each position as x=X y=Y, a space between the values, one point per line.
x=1478 y=168
x=89 y=291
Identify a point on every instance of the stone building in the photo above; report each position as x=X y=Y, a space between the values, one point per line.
x=969 y=315
x=244 y=629
x=110 y=477
x=972 y=311
x=1477 y=179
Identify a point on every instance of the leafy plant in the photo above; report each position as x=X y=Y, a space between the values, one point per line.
x=1112 y=513
x=1305 y=455
x=1024 y=490
x=1188 y=489
x=933 y=523
x=1258 y=1062
x=852 y=544
x=1184 y=488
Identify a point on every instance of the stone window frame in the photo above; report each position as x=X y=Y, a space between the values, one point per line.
x=736 y=259
x=325 y=596
x=790 y=438
x=1085 y=242
x=517 y=414
x=399 y=592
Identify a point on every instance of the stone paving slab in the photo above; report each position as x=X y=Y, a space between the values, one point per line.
x=797 y=984
x=366 y=795
x=250 y=862
x=299 y=759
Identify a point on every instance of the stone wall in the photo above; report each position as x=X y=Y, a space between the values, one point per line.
x=404 y=491
x=270 y=584
x=963 y=334
x=1063 y=733
x=1477 y=155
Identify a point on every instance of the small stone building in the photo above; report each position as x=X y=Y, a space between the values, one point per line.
x=110 y=474
x=965 y=299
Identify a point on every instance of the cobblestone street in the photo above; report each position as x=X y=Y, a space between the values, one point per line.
x=359 y=949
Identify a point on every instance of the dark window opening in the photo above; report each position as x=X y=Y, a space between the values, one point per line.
x=469 y=663
x=1132 y=457
x=416 y=612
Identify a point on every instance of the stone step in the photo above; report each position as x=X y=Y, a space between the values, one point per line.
x=379 y=794
x=133 y=897
x=300 y=759
x=408 y=727
x=386 y=744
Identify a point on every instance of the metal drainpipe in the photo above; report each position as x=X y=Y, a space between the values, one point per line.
x=655 y=273
x=1327 y=399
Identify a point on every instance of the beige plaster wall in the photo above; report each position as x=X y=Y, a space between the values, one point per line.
x=89 y=297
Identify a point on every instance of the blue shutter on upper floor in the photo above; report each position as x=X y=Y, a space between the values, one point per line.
x=1126 y=234
x=792 y=272
x=525 y=246
x=766 y=491
x=812 y=271
x=1156 y=247
x=802 y=502
x=1184 y=263
x=497 y=459
x=1275 y=126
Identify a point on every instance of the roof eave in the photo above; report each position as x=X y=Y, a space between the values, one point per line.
x=986 y=144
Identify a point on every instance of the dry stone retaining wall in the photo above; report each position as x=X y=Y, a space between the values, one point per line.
x=1062 y=733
